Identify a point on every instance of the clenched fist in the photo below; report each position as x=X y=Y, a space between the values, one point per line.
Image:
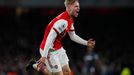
x=91 y=43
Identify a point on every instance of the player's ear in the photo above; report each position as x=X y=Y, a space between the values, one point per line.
x=68 y=5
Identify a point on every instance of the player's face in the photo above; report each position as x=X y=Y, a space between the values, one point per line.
x=75 y=8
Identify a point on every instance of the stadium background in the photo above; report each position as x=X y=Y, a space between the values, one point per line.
x=109 y=22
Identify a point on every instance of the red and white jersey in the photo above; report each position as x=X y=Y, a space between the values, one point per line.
x=61 y=24
x=56 y=30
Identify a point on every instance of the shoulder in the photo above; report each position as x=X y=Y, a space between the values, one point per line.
x=62 y=15
x=60 y=25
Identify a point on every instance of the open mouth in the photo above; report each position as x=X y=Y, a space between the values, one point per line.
x=77 y=12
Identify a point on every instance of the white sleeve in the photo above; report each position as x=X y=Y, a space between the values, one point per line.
x=71 y=28
x=76 y=38
x=60 y=25
x=49 y=42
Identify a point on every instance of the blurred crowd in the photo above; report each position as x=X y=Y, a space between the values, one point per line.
x=21 y=32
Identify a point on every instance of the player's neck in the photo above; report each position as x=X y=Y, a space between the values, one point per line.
x=69 y=13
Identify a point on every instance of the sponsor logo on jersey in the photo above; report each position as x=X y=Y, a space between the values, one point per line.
x=56 y=66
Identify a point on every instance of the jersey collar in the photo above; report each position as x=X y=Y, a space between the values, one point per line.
x=67 y=15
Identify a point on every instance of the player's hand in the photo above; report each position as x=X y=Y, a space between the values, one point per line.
x=41 y=64
x=91 y=43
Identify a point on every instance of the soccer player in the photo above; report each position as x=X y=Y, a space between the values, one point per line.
x=54 y=59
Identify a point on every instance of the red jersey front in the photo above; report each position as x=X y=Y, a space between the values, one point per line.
x=61 y=31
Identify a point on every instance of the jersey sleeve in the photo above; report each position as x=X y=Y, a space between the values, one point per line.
x=60 y=26
x=49 y=43
x=72 y=28
x=74 y=37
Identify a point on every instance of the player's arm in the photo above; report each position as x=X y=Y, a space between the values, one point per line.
x=74 y=37
x=49 y=41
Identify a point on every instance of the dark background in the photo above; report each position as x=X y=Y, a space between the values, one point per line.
x=22 y=30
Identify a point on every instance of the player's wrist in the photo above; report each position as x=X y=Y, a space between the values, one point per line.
x=87 y=43
x=44 y=57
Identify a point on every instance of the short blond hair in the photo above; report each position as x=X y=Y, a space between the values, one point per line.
x=69 y=2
